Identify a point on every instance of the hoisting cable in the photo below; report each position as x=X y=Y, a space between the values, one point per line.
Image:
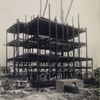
x=45 y=7
x=68 y=10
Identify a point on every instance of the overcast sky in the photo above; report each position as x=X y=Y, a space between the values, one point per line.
x=89 y=11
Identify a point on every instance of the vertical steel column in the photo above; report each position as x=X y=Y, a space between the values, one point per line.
x=14 y=64
x=18 y=32
x=26 y=29
x=49 y=44
x=32 y=47
x=30 y=52
x=86 y=56
x=73 y=73
x=6 y=53
x=68 y=51
x=28 y=74
x=26 y=39
x=62 y=52
x=32 y=36
x=45 y=62
x=38 y=51
x=80 y=63
x=14 y=55
x=26 y=46
x=56 y=47
x=23 y=57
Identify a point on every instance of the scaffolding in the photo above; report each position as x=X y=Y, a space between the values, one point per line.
x=44 y=50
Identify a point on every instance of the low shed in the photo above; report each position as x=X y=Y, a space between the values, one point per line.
x=60 y=84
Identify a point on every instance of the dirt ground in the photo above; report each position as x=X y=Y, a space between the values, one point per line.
x=47 y=94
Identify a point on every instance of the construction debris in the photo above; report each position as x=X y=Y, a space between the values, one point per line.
x=48 y=95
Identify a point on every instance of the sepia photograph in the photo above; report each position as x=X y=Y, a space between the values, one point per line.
x=49 y=50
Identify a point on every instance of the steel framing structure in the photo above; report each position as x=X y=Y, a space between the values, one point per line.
x=44 y=44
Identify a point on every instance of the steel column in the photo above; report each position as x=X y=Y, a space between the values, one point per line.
x=6 y=53
x=68 y=51
x=18 y=32
x=56 y=48
x=38 y=51
x=80 y=63
x=73 y=73
x=86 y=56
x=49 y=64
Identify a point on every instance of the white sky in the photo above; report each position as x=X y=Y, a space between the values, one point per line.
x=89 y=11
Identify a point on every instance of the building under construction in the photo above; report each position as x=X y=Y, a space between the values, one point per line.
x=44 y=50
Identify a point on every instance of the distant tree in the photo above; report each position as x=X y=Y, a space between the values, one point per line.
x=97 y=73
x=97 y=76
